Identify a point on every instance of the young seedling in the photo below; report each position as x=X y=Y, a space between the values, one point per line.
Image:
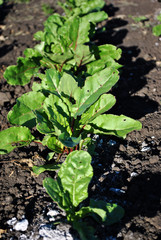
x=71 y=188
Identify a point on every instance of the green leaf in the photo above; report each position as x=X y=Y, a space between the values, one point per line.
x=103 y=104
x=44 y=126
x=54 y=144
x=76 y=173
x=102 y=212
x=84 y=30
x=50 y=156
x=91 y=5
x=94 y=87
x=48 y=167
x=109 y=50
x=68 y=141
x=74 y=32
x=85 y=231
x=157 y=30
x=60 y=58
x=95 y=66
x=56 y=192
x=14 y=137
x=92 y=211
x=113 y=125
x=52 y=80
x=113 y=212
x=21 y=73
x=39 y=36
x=95 y=17
x=83 y=55
x=22 y=112
x=67 y=85
x=58 y=114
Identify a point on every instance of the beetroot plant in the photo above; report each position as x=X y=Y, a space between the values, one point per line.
x=66 y=113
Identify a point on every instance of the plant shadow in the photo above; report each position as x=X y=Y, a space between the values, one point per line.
x=132 y=74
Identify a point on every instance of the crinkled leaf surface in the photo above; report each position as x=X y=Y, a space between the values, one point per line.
x=113 y=125
x=94 y=87
x=52 y=80
x=21 y=73
x=67 y=85
x=109 y=50
x=44 y=126
x=14 y=137
x=22 y=112
x=75 y=174
x=103 y=104
x=96 y=17
x=54 y=144
x=58 y=114
x=83 y=55
x=90 y=5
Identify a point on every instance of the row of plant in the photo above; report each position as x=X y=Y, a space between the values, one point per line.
x=67 y=105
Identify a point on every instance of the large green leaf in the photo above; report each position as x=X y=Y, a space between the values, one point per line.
x=52 y=80
x=54 y=144
x=22 y=113
x=14 y=137
x=67 y=85
x=100 y=64
x=103 y=104
x=21 y=73
x=101 y=82
x=58 y=114
x=109 y=50
x=113 y=125
x=76 y=173
x=60 y=58
x=95 y=17
x=102 y=212
x=83 y=55
x=44 y=126
x=113 y=212
x=55 y=190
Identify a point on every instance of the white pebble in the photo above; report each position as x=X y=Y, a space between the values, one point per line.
x=21 y=225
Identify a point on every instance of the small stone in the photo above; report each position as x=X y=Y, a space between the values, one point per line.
x=137 y=161
x=158 y=63
x=12 y=221
x=134 y=174
x=154 y=159
x=122 y=148
x=21 y=225
x=3 y=98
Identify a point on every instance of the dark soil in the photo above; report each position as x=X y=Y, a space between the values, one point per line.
x=131 y=165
